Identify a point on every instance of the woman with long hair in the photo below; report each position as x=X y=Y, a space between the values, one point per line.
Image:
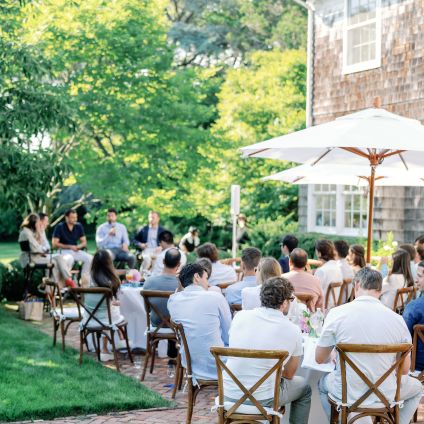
x=356 y=257
x=399 y=276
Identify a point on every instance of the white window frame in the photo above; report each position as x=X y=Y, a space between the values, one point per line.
x=370 y=64
x=340 y=228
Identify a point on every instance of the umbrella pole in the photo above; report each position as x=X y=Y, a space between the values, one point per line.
x=370 y=213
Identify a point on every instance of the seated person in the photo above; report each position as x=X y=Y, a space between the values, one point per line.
x=166 y=242
x=268 y=328
x=414 y=314
x=356 y=257
x=207 y=265
x=44 y=223
x=205 y=316
x=250 y=258
x=288 y=243
x=419 y=245
x=342 y=250
x=190 y=241
x=302 y=281
x=366 y=321
x=113 y=236
x=414 y=258
x=220 y=273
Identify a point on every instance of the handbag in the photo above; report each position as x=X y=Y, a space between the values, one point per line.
x=31 y=309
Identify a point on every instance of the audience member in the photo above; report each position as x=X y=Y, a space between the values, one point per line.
x=190 y=241
x=342 y=250
x=303 y=281
x=419 y=245
x=113 y=236
x=31 y=231
x=69 y=237
x=414 y=258
x=206 y=264
x=356 y=257
x=205 y=316
x=400 y=276
x=288 y=243
x=166 y=242
x=414 y=314
x=250 y=258
x=366 y=321
x=220 y=273
x=242 y=236
x=44 y=223
x=330 y=271
x=272 y=331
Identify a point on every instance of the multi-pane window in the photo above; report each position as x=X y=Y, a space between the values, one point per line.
x=325 y=205
x=355 y=207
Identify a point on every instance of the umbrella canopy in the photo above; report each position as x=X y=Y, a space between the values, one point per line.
x=371 y=137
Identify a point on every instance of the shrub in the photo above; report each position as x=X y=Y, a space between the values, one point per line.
x=3 y=271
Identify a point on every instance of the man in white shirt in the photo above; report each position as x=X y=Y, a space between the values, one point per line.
x=250 y=258
x=342 y=250
x=268 y=328
x=366 y=321
x=166 y=242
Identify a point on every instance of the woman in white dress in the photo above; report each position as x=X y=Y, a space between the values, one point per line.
x=356 y=257
x=400 y=276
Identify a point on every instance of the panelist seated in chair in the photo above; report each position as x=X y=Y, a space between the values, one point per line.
x=268 y=328
x=31 y=232
x=113 y=236
x=366 y=321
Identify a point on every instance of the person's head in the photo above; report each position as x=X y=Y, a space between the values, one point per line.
x=342 y=249
x=166 y=239
x=208 y=250
x=410 y=249
x=193 y=231
x=172 y=259
x=71 y=216
x=193 y=274
x=103 y=272
x=420 y=276
x=402 y=265
x=32 y=222
x=206 y=264
x=419 y=245
x=299 y=258
x=242 y=220
x=267 y=268
x=44 y=220
x=368 y=282
x=277 y=293
x=356 y=255
x=153 y=218
x=288 y=244
x=112 y=215
x=250 y=258
x=325 y=250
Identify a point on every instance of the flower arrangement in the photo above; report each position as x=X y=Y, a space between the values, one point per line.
x=305 y=322
x=133 y=276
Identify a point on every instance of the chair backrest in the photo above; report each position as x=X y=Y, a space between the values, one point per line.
x=179 y=331
x=235 y=307
x=403 y=296
x=25 y=246
x=248 y=393
x=347 y=292
x=148 y=295
x=416 y=338
x=332 y=294
x=105 y=296
x=307 y=299
x=343 y=349
x=53 y=293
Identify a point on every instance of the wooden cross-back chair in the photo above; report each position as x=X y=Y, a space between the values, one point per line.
x=331 y=297
x=347 y=292
x=194 y=385
x=403 y=296
x=223 y=286
x=228 y=412
x=62 y=317
x=163 y=331
x=90 y=324
x=307 y=299
x=385 y=409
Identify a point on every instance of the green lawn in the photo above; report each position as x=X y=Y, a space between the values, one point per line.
x=38 y=381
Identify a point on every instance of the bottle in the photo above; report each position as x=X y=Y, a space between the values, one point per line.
x=319 y=319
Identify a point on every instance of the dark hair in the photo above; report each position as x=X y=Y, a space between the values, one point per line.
x=112 y=210
x=172 y=258
x=369 y=279
x=410 y=249
x=187 y=273
x=156 y=213
x=251 y=257
x=290 y=241
x=420 y=239
x=342 y=248
x=401 y=265
x=166 y=236
x=359 y=255
x=206 y=264
x=42 y=215
x=30 y=222
x=208 y=250
x=299 y=258
x=69 y=211
x=325 y=249
x=103 y=272
x=421 y=264
x=420 y=250
x=275 y=291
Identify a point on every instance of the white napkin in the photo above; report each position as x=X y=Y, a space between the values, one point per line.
x=309 y=346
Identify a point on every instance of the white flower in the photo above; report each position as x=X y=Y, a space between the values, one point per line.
x=395 y=244
x=386 y=247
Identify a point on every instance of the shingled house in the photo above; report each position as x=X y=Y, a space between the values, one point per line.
x=360 y=50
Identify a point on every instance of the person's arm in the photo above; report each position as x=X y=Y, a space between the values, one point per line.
x=34 y=245
x=125 y=239
x=290 y=367
x=328 y=338
x=409 y=317
x=58 y=245
x=138 y=240
x=83 y=243
x=101 y=236
x=224 y=318
x=323 y=354
x=406 y=365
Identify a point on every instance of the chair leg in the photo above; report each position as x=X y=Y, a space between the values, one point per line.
x=180 y=382
x=62 y=331
x=55 y=328
x=82 y=337
x=178 y=370
x=115 y=352
x=124 y=330
x=196 y=391
x=146 y=358
x=190 y=402
x=415 y=419
x=334 y=417
x=152 y=363
x=98 y=344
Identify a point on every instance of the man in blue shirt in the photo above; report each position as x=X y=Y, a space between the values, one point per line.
x=205 y=316
x=414 y=314
x=288 y=244
x=113 y=236
x=250 y=258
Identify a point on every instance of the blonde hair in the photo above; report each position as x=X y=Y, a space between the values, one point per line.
x=268 y=267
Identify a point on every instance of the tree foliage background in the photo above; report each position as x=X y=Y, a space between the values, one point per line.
x=143 y=104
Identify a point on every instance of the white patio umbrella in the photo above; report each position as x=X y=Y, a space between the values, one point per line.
x=372 y=137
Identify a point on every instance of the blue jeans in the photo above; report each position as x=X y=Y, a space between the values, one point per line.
x=410 y=393
x=122 y=256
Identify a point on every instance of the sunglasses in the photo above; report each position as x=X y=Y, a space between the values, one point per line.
x=291 y=299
